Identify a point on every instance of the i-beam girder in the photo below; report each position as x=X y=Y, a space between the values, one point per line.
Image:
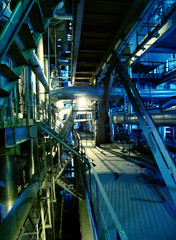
x=163 y=159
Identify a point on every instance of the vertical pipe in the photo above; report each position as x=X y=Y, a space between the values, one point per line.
x=31 y=165
x=26 y=79
x=36 y=154
x=30 y=92
x=49 y=117
x=40 y=54
x=8 y=185
x=16 y=102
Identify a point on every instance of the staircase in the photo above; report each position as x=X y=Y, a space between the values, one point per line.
x=64 y=183
x=60 y=180
x=51 y=132
x=27 y=32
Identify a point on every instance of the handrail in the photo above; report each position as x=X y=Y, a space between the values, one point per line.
x=120 y=232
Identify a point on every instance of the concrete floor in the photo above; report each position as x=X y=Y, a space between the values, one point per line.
x=137 y=193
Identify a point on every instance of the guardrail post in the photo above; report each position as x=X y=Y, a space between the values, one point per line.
x=98 y=212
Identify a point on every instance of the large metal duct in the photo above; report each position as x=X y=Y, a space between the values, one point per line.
x=8 y=185
x=61 y=27
x=164 y=118
x=96 y=93
x=11 y=226
x=33 y=60
x=38 y=71
x=68 y=124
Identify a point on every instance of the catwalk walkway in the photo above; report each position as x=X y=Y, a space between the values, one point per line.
x=137 y=193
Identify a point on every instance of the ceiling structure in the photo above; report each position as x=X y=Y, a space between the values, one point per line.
x=103 y=24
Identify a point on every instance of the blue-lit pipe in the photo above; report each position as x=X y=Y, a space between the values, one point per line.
x=168 y=102
x=164 y=118
x=96 y=93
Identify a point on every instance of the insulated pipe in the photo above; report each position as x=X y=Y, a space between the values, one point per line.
x=8 y=186
x=12 y=224
x=169 y=102
x=96 y=93
x=68 y=124
x=165 y=118
x=37 y=69
x=33 y=60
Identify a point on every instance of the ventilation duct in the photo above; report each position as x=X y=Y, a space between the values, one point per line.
x=33 y=60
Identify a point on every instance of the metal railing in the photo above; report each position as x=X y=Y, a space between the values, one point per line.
x=99 y=205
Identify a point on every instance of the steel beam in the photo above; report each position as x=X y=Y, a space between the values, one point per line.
x=158 y=33
x=130 y=15
x=64 y=166
x=59 y=139
x=101 y=133
x=14 y=24
x=80 y=10
x=66 y=185
x=163 y=159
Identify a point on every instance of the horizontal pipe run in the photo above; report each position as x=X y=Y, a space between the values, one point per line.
x=96 y=93
x=164 y=118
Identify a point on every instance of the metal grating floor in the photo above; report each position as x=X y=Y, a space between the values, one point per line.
x=137 y=193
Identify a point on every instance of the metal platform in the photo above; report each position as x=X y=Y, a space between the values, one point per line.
x=137 y=193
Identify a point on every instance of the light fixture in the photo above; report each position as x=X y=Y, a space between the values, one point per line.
x=82 y=102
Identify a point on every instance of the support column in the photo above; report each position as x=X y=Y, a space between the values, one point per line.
x=160 y=152
x=105 y=103
x=8 y=186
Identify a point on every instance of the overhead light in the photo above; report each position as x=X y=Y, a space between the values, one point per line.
x=82 y=102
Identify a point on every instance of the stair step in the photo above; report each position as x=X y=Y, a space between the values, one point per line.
x=4 y=93
x=8 y=73
x=65 y=184
x=27 y=37
x=17 y=55
x=36 y=19
x=46 y=7
x=13 y=26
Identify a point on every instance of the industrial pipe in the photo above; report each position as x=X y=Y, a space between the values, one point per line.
x=164 y=118
x=168 y=102
x=12 y=224
x=8 y=186
x=37 y=69
x=33 y=60
x=96 y=93
x=69 y=121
